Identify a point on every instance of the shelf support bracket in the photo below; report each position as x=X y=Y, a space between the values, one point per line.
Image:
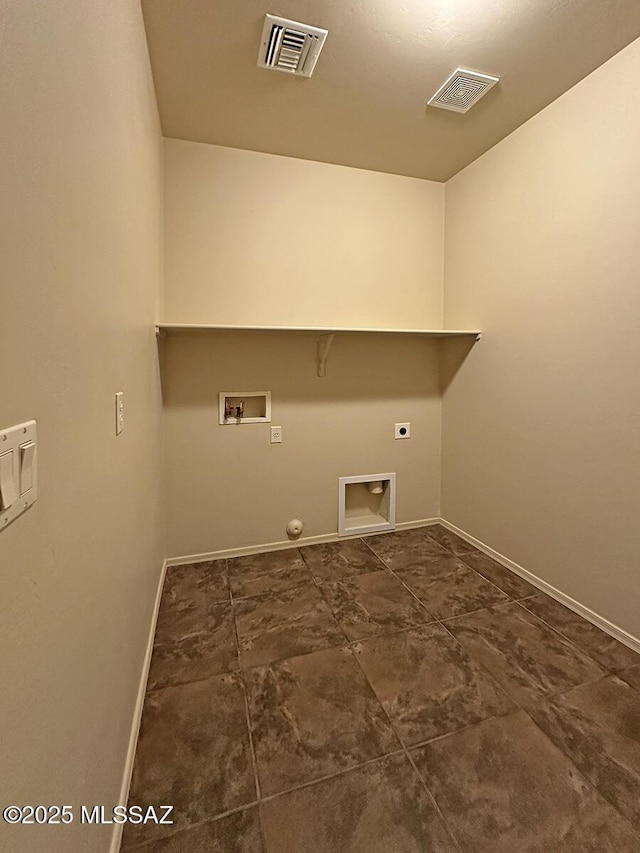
x=324 y=345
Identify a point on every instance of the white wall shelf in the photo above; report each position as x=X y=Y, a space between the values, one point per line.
x=318 y=330
x=326 y=333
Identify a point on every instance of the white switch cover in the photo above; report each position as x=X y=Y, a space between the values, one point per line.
x=276 y=435
x=18 y=471
x=27 y=461
x=8 y=492
x=119 y=412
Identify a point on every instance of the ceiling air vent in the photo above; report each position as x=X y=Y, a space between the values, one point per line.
x=290 y=46
x=462 y=90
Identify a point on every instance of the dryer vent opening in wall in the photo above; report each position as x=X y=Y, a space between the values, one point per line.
x=290 y=46
x=366 y=504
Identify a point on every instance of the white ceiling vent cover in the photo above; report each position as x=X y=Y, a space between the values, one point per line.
x=462 y=90
x=290 y=46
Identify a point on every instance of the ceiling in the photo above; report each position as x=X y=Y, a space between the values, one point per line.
x=383 y=59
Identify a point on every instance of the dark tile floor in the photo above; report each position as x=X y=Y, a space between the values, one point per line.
x=398 y=694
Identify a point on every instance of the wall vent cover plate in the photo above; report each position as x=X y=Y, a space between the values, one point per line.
x=462 y=90
x=290 y=46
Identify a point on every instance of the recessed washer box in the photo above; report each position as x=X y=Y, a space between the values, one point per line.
x=244 y=407
x=366 y=504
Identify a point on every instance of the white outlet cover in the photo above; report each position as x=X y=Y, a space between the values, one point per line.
x=403 y=431
x=276 y=435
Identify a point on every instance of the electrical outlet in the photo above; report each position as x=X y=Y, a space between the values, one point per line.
x=403 y=431
x=276 y=435
x=119 y=412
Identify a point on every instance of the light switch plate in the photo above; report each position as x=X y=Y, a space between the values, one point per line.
x=13 y=443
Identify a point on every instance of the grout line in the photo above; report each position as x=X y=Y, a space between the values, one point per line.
x=482 y=666
x=402 y=750
x=554 y=694
x=254 y=760
x=518 y=704
x=584 y=777
x=410 y=759
x=152 y=841
x=246 y=699
x=339 y=645
x=393 y=632
x=434 y=802
x=344 y=771
x=571 y=642
x=515 y=710
x=409 y=590
x=441 y=619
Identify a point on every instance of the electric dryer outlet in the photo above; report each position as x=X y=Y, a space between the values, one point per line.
x=403 y=431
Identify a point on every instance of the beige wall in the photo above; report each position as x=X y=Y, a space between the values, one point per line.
x=80 y=222
x=541 y=424
x=228 y=487
x=260 y=239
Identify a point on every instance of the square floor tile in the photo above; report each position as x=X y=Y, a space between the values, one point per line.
x=192 y=644
x=293 y=622
x=313 y=716
x=193 y=753
x=406 y=548
x=600 y=646
x=261 y=574
x=503 y=787
x=522 y=653
x=373 y=604
x=505 y=579
x=236 y=833
x=194 y=584
x=336 y=560
x=448 y=540
x=598 y=726
x=379 y=808
x=447 y=587
x=428 y=684
x=632 y=676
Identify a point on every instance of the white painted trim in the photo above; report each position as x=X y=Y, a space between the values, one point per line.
x=282 y=546
x=599 y=621
x=116 y=837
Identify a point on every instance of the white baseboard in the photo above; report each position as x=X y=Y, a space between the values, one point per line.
x=282 y=546
x=599 y=621
x=595 y=618
x=116 y=837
